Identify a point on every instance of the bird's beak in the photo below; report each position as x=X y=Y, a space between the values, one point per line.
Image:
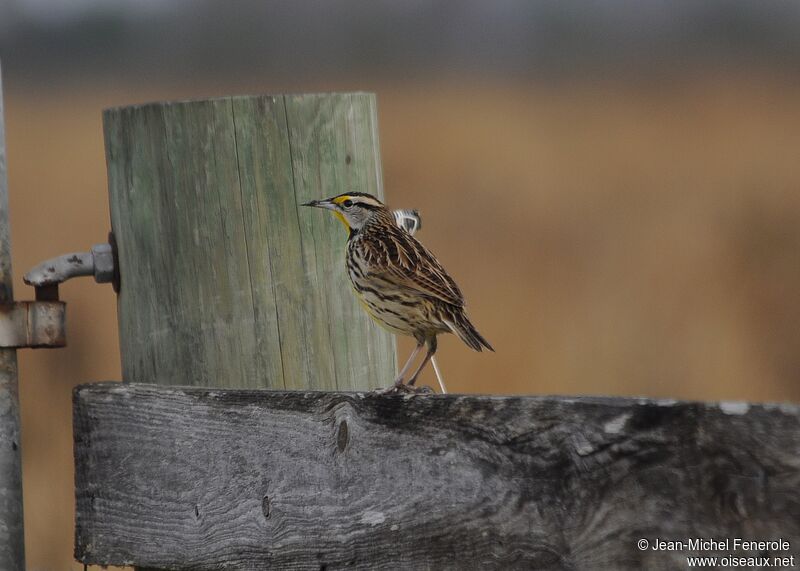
x=320 y=204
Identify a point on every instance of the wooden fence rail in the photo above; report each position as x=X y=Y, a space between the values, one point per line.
x=190 y=478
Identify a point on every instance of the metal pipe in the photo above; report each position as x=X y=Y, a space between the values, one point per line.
x=61 y=268
x=12 y=542
x=98 y=263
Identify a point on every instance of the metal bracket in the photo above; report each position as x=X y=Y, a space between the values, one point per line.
x=42 y=323
x=100 y=262
x=34 y=324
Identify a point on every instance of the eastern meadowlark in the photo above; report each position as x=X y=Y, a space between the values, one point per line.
x=399 y=282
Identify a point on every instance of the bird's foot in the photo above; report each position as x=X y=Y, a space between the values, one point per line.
x=401 y=388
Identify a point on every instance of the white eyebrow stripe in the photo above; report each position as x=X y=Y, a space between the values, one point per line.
x=365 y=200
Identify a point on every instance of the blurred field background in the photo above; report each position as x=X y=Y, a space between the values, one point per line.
x=616 y=186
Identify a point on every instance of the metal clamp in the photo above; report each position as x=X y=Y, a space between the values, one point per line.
x=34 y=324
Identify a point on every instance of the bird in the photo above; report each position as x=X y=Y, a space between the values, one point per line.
x=398 y=281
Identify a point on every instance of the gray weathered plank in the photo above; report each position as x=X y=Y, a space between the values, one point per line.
x=12 y=545
x=188 y=478
x=225 y=279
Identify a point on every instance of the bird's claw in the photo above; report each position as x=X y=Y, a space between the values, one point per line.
x=400 y=388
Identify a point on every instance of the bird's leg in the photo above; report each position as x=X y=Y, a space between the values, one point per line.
x=398 y=385
x=401 y=375
x=413 y=378
x=431 y=351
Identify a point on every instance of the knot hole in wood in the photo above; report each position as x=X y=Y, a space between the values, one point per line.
x=266 y=507
x=342 y=436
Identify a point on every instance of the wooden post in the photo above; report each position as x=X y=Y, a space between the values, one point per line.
x=201 y=479
x=225 y=280
x=12 y=545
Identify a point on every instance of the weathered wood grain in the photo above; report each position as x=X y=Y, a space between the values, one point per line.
x=12 y=545
x=225 y=279
x=188 y=478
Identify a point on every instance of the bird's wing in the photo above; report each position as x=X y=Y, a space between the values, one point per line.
x=399 y=258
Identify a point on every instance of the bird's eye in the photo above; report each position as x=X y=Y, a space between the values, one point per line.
x=347 y=203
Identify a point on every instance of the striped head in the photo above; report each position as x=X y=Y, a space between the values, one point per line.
x=353 y=209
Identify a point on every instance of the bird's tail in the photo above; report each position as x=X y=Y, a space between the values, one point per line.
x=463 y=327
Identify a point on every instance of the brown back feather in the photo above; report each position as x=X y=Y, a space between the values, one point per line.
x=391 y=250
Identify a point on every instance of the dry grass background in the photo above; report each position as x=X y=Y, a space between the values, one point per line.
x=610 y=239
